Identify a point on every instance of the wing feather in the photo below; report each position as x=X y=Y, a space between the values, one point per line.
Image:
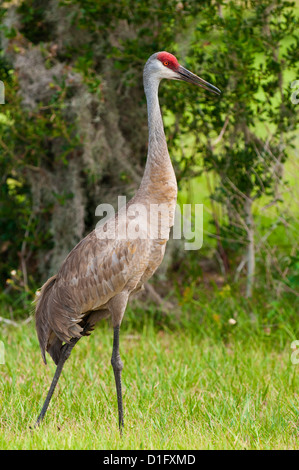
x=94 y=272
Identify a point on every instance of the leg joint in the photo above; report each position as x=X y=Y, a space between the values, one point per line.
x=117 y=363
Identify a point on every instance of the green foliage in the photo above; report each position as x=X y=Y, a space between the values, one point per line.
x=27 y=138
x=248 y=49
x=241 y=50
x=34 y=25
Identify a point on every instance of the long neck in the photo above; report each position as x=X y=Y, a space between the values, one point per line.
x=157 y=146
x=159 y=177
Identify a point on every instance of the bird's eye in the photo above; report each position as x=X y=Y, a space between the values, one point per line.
x=166 y=62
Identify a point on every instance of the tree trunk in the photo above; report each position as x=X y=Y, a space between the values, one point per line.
x=250 y=255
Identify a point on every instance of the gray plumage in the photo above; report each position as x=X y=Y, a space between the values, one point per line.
x=100 y=274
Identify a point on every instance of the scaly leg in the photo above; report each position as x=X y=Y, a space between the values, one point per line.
x=117 y=368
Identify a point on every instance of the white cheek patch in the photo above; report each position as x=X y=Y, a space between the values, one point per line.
x=169 y=73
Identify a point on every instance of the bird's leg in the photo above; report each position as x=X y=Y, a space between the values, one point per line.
x=65 y=354
x=117 y=368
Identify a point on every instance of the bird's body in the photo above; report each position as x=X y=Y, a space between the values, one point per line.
x=97 y=275
x=113 y=262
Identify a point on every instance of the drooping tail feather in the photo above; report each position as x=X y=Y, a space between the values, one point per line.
x=43 y=327
x=54 y=347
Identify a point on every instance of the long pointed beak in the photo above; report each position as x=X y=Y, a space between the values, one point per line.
x=187 y=76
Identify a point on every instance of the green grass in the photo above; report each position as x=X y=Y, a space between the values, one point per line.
x=203 y=384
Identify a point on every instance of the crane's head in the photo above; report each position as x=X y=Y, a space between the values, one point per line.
x=165 y=65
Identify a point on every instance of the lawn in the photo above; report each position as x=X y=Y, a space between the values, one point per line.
x=197 y=383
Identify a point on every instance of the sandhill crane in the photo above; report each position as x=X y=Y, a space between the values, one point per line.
x=102 y=271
